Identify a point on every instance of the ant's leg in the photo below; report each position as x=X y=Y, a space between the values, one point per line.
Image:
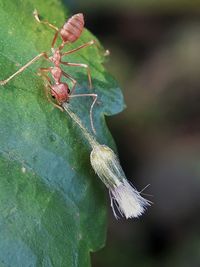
x=47 y=87
x=71 y=79
x=54 y=39
x=92 y=42
x=3 y=82
x=91 y=108
x=36 y=16
x=62 y=45
x=42 y=72
x=47 y=84
x=83 y=66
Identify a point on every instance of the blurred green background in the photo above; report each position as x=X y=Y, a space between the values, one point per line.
x=155 y=56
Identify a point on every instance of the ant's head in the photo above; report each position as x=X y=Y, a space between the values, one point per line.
x=60 y=92
x=56 y=56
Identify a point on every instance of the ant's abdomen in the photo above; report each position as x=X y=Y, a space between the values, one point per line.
x=73 y=28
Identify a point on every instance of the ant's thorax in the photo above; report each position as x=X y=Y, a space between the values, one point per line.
x=56 y=73
x=56 y=57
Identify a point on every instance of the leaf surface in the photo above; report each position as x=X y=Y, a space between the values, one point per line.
x=52 y=206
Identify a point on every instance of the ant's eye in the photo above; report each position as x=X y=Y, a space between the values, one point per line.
x=53 y=96
x=68 y=91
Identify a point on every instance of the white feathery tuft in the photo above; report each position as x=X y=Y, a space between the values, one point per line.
x=128 y=201
x=124 y=197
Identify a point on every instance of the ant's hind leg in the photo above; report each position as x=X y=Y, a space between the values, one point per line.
x=54 y=39
x=36 y=16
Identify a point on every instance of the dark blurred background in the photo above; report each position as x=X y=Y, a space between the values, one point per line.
x=155 y=56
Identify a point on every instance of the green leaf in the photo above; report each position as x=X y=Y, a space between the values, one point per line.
x=52 y=206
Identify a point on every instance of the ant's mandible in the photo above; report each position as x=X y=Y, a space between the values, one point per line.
x=69 y=33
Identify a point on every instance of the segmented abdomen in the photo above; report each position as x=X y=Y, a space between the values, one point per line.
x=73 y=28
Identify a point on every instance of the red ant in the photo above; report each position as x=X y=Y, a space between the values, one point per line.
x=69 y=33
